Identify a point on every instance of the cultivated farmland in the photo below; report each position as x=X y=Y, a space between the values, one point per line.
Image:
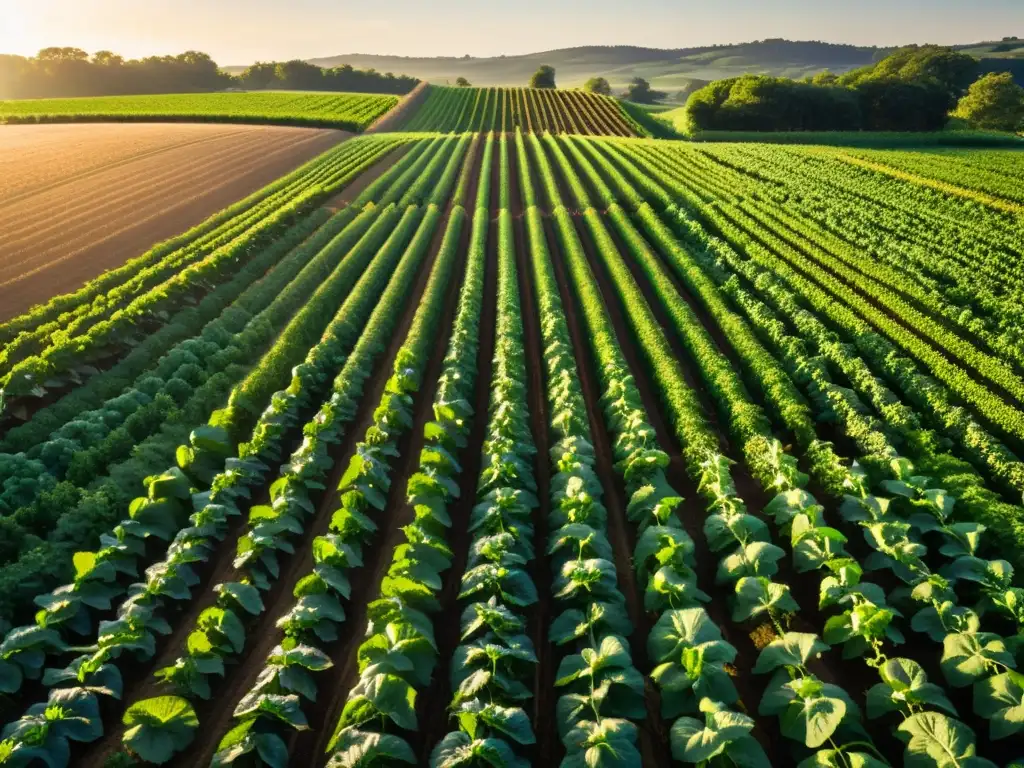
x=520 y=449
x=76 y=200
x=526 y=109
x=346 y=111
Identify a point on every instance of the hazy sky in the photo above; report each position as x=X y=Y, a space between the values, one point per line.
x=241 y=31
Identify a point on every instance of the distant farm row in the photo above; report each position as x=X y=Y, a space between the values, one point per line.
x=429 y=109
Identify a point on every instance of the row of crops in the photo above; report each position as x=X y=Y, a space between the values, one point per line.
x=544 y=449
x=347 y=111
x=526 y=109
x=441 y=109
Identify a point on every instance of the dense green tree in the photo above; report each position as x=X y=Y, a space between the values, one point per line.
x=107 y=59
x=897 y=105
x=463 y=83
x=544 y=77
x=260 y=75
x=640 y=91
x=62 y=54
x=763 y=103
x=929 y=65
x=64 y=72
x=598 y=85
x=994 y=102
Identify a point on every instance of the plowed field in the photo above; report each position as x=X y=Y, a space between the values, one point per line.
x=76 y=200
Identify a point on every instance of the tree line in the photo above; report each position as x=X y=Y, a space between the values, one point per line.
x=914 y=89
x=69 y=72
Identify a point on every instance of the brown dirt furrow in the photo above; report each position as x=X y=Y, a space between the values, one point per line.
x=653 y=731
x=398 y=115
x=344 y=198
x=309 y=747
x=84 y=260
x=40 y=158
x=432 y=704
x=133 y=176
x=548 y=746
x=216 y=715
x=66 y=225
x=693 y=512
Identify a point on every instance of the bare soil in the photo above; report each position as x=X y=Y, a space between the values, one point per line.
x=76 y=200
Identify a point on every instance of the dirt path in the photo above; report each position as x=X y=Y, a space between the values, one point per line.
x=61 y=230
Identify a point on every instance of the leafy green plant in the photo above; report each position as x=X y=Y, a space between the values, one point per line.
x=158 y=728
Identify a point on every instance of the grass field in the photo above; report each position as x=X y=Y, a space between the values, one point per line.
x=549 y=450
x=346 y=111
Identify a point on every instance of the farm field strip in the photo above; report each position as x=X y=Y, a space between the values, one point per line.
x=572 y=462
x=346 y=111
x=528 y=109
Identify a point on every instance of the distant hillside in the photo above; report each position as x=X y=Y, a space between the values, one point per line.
x=669 y=70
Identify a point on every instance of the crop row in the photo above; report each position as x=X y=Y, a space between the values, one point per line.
x=898 y=546
x=854 y=605
x=528 y=109
x=348 y=111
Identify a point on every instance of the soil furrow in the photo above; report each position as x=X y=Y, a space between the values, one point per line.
x=653 y=732
x=544 y=695
x=309 y=747
x=216 y=714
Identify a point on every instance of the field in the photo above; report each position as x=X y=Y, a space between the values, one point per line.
x=346 y=111
x=510 y=449
x=528 y=109
x=77 y=200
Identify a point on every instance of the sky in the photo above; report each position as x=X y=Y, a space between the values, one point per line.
x=239 y=32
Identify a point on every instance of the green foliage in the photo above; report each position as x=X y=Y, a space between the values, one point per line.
x=544 y=77
x=912 y=89
x=640 y=91
x=598 y=85
x=346 y=111
x=993 y=102
x=158 y=728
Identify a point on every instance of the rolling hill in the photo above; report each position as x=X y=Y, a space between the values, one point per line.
x=677 y=71
x=669 y=70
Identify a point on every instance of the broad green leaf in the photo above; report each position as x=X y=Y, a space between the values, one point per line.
x=1000 y=700
x=969 y=657
x=794 y=649
x=694 y=741
x=158 y=728
x=756 y=596
x=937 y=741
x=353 y=748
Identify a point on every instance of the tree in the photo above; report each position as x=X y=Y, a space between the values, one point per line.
x=763 y=103
x=897 y=105
x=994 y=102
x=598 y=85
x=258 y=76
x=543 y=77
x=107 y=59
x=62 y=54
x=640 y=91
x=927 y=65
x=463 y=83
